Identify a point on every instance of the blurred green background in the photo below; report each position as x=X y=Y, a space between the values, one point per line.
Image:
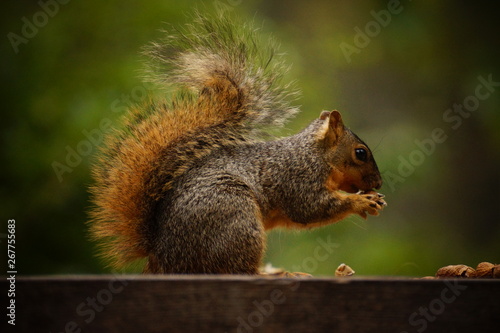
x=393 y=70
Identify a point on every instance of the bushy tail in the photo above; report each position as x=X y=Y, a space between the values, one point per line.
x=224 y=87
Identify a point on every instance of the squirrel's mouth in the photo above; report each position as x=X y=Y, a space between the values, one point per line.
x=361 y=191
x=365 y=185
x=374 y=186
x=354 y=189
x=366 y=192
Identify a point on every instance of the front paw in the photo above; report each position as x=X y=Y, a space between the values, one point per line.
x=369 y=203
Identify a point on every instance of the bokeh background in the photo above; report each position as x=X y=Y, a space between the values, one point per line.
x=393 y=79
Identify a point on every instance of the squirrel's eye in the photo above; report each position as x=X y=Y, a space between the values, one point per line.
x=361 y=154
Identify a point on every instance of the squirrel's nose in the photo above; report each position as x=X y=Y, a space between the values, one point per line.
x=378 y=183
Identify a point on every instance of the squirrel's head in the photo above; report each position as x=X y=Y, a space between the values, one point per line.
x=353 y=166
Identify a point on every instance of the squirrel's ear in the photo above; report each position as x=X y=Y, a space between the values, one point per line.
x=336 y=123
x=324 y=115
x=333 y=127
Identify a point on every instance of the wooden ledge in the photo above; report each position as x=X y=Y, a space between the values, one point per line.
x=155 y=303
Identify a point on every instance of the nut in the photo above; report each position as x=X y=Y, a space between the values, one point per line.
x=484 y=270
x=496 y=272
x=461 y=271
x=344 y=270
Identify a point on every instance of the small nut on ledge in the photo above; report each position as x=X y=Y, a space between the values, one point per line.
x=461 y=271
x=484 y=270
x=344 y=270
x=487 y=270
x=496 y=272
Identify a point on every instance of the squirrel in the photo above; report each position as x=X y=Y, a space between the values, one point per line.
x=193 y=181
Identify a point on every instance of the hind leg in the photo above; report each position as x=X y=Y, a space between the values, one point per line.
x=213 y=232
